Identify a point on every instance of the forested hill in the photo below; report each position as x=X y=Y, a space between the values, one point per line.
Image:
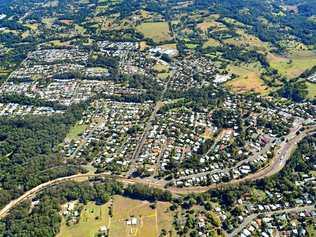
x=271 y=21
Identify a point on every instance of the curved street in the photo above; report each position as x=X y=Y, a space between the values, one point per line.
x=277 y=163
x=251 y=217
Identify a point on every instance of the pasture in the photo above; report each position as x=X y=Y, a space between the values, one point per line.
x=76 y=131
x=247 y=80
x=150 y=221
x=293 y=65
x=311 y=89
x=157 y=31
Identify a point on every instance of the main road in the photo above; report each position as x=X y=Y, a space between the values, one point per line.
x=276 y=164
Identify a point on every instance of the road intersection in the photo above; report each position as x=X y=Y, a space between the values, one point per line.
x=277 y=163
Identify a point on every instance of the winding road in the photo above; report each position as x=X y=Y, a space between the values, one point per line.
x=276 y=164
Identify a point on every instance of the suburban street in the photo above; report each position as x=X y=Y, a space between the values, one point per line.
x=250 y=218
x=276 y=164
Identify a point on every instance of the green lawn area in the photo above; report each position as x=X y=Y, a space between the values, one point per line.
x=75 y=131
x=150 y=221
x=211 y=43
x=311 y=88
x=293 y=65
x=191 y=46
x=49 y=21
x=248 y=79
x=157 y=31
x=92 y=218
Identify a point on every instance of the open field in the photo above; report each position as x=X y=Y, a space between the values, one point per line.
x=293 y=65
x=157 y=31
x=311 y=88
x=161 y=68
x=33 y=27
x=49 y=21
x=150 y=221
x=204 y=26
x=248 y=79
x=247 y=40
x=168 y=46
x=75 y=131
x=211 y=43
x=92 y=217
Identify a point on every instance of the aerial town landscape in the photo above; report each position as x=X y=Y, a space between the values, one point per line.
x=132 y=118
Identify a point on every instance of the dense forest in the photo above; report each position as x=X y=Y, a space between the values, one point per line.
x=44 y=219
x=28 y=148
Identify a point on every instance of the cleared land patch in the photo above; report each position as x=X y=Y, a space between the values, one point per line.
x=75 y=131
x=247 y=40
x=157 y=31
x=311 y=88
x=248 y=79
x=211 y=43
x=92 y=217
x=293 y=65
x=150 y=221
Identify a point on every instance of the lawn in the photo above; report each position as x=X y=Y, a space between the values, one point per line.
x=143 y=45
x=49 y=21
x=168 y=46
x=163 y=75
x=161 y=68
x=293 y=65
x=157 y=31
x=204 y=26
x=246 y=40
x=33 y=27
x=248 y=79
x=76 y=131
x=211 y=43
x=150 y=221
x=311 y=88
x=191 y=46
x=58 y=43
x=92 y=217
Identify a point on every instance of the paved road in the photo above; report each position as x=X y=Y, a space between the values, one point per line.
x=142 y=140
x=148 y=126
x=250 y=218
x=275 y=166
x=253 y=157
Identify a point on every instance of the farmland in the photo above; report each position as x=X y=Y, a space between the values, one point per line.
x=91 y=219
x=247 y=40
x=293 y=65
x=157 y=31
x=311 y=88
x=248 y=79
x=150 y=221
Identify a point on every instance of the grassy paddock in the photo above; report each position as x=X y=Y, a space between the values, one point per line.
x=150 y=221
x=157 y=31
x=248 y=79
x=75 y=131
x=311 y=88
x=293 y=65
